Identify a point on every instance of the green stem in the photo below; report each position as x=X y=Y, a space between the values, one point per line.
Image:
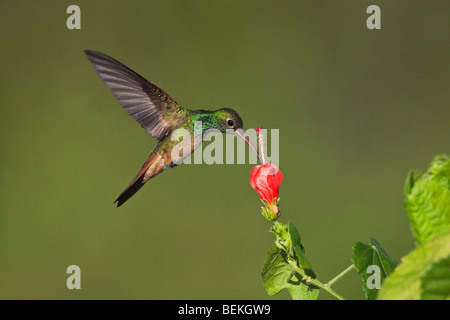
x=278 y=229
x=315 y=282
x=340 y=275
x=327 y=289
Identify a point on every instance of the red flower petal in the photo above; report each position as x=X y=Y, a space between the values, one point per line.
x=266 y=180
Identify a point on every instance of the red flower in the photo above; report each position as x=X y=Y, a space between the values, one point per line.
x=266 y=180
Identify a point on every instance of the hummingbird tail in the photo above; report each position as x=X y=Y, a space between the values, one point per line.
x=152 y=167
x=130 y=190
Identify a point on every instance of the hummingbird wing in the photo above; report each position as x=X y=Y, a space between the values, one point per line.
x=145 y=102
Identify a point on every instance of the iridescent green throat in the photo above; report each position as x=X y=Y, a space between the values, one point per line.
x=209 y=119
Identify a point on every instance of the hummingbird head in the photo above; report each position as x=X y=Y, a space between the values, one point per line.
x=231 y=120
x=228 y=119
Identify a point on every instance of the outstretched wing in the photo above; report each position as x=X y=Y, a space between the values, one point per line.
x=149 y=105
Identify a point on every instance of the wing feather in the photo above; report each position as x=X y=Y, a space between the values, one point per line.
x=145 y=102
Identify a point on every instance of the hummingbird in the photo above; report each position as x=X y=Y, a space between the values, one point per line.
x=160 y=116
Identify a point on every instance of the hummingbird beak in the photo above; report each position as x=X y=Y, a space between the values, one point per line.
x=240 y=133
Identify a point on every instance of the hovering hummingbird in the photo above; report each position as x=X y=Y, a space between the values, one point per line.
x=160 y=115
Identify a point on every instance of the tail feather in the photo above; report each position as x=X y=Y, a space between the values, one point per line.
x=152 y=167
x=130 y=190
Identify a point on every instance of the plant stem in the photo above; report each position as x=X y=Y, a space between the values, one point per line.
x=324 y=287
x=283 y=242
x=315 y=282
x=340 y=275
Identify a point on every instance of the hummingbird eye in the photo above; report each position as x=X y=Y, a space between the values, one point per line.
x=230 y=122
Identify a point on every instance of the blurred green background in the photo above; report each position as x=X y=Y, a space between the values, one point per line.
x=356 y=108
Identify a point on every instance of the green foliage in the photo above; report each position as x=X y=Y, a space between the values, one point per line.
x=289 y=238
x=278 y=274
x=423 y=274
x=435 y=283
x=367 y=255
x=286 y=266
x=428 y=199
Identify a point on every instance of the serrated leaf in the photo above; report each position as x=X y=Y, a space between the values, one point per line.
x=277 y=276
x=369 y=255
x=428 y=200
x=423 y=273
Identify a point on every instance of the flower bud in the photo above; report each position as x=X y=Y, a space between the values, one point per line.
x=266 y=180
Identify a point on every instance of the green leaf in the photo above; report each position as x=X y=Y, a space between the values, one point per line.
x=413 y=176
x=364 y=257
x=288 y=237
x=436 y=282
x=299 y=250
x=277 y=275
x=423 y=274
x=428 y=199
